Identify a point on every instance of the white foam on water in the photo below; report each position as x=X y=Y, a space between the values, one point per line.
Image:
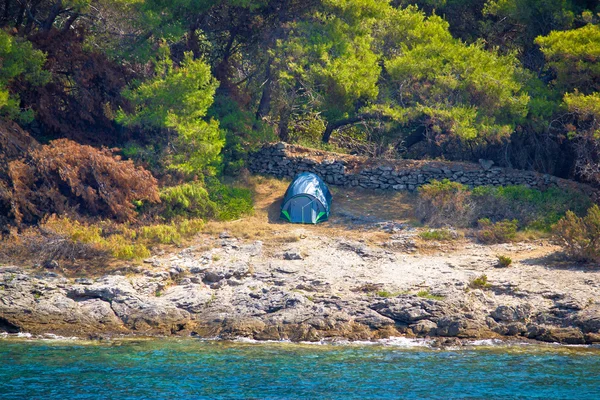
x=404 y=342
x=25 y=335
x=486 y=342
x=51 y=336
x=243 y=339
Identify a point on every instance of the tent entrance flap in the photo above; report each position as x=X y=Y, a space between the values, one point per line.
x=303 y=209
x=307 y=200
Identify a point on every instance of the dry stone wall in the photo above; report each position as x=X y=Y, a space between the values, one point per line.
x=284 y=160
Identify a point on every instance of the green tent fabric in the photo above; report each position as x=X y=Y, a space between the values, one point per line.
x=307 y=200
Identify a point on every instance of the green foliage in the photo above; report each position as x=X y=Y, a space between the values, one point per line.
x=177 y=99
x=528 y=18
x=426 y=295
x=451 y=203
x=533 y=208
x=438 y=234
x=243 y=133
x=171 y=233
x=461 y=90
x=499 y=232
x=585 y=106
x=215 y=200
x=580 y=236
x=331 y=53
x=481 y=282
x=575 y=56
x=120 y=245
x=123 y=250
x=454 y=89
x=386 y=294
x=231 y=202
x=122 y=241
x=504 y=261
x=19 y=60
x=189 y=200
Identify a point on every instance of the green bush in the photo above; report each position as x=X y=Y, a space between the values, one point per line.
x=504 y=261
x=172 y=233
x=533 y=208
x=231 y=202
x=215 y=200
x=438 y=234
x=164 y=234
x=190 y=200
x=451 y=203
x=499 y=232
x=122 y=245
x=481 y=282
x=580 y=236
x=243 y=133
x=444 y=203
x=426 y=295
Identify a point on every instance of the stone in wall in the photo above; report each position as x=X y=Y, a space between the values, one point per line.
x=284 y=160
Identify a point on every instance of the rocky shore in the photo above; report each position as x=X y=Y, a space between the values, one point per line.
x=316 y=288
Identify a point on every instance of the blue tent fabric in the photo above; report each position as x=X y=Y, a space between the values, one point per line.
x=307 y=200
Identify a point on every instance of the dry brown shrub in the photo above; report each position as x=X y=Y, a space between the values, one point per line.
x=63 y=177
x=42 y=246
x=102 y=182
x=443 y=203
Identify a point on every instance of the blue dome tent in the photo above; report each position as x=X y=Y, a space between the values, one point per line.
x=307 y=200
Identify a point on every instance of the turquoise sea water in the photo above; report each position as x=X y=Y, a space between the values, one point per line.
x=192 y=369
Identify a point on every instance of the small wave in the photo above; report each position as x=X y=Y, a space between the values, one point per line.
x=243 y=339
x=51 y=336
x=404 y=342
x=486 y=342
x=399 y=341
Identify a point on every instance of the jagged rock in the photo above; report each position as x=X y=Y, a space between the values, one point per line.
x=506 y=313
x=424 y=328
x=588 y=319
x=556 y=334
x=569 y=303
x=486 y=164
x=361 y=249
x=254 y=249
x=192 y=297
x=462 y=327
x=409 y=309
x=101 y=311
x=592 y=338
x=236 y=270
x=51 y=264
x=287 y=269
x=373 y=319
x=144 y=315
x=292 y=255
x=213 y=276
x=268 y=301
x=511 y=329
x=107 y=289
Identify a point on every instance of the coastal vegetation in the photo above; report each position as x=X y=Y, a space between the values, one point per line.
x=504 y=261
x=127 y=125
x=496 y=212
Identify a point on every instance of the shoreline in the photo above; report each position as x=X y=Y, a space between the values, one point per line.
x=313 y=290
x=392 y=343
